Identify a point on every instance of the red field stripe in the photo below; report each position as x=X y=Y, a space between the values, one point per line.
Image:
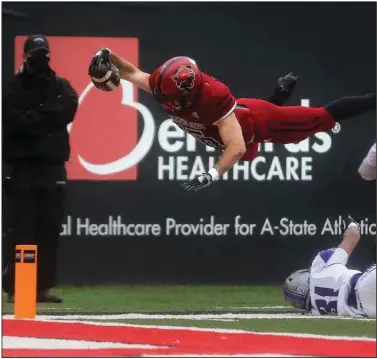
x=182 y=341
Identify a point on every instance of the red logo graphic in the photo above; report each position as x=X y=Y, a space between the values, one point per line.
x=184 y=78
x=104 y=135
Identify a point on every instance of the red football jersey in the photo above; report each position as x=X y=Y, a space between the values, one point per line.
x=215 y=103
x=260 y=121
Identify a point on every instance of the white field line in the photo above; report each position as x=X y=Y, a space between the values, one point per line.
x=10 y=342
x=58 y=308
x=132 y=316
x=223 y=320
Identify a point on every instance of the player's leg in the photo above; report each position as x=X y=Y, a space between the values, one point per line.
x=319 y=119
x=286 y=124
x=22 y=222
x=347 y=107
x=366 y=290
x=295 y=123
x=50 y=218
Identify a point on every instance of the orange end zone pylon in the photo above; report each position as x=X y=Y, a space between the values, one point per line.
x=25 y=293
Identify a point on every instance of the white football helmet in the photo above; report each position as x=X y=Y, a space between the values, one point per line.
x=296 y=289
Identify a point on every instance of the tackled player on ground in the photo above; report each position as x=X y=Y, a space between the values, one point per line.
x=328 y=287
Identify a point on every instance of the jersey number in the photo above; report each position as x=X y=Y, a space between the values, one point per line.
x=209 y=141
x=322 y=305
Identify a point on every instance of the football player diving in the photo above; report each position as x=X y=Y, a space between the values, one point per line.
x=206 y=109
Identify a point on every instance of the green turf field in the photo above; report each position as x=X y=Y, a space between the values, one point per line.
x=105 y=300
x=102 y=299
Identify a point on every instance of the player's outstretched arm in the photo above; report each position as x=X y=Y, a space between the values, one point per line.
x=131 y=73
x=231 y=135
x=351 y=235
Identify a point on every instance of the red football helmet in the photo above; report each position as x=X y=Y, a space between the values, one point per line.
x=176 y=83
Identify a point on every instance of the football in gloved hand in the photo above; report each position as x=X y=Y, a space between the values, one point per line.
x=109 y=80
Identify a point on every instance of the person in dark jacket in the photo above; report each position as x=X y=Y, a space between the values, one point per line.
x=37 y=107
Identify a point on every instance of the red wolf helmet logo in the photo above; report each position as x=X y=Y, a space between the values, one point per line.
x=184 y=78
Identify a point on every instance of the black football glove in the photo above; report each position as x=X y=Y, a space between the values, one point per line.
x=200 y=182
x=350 y=220
x=287 y=83
x=283 y=89
x=100 y=64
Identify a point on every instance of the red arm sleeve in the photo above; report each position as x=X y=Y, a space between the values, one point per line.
x=225 y=105
x=222 y=102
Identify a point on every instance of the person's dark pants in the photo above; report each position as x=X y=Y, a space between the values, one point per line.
x=36 y=210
